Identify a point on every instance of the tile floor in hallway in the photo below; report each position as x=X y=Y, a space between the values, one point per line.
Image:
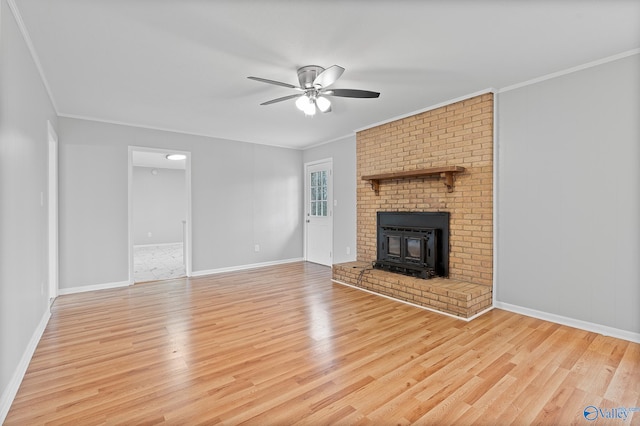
x=158 y=262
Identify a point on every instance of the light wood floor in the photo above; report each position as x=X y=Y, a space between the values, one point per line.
x=283 y=345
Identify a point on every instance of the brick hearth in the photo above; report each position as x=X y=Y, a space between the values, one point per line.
x=454 y=297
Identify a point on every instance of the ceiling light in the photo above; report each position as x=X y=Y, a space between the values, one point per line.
x=301 y=102
x=310 y=109
x=176 y=157
x=323 y=104
x=306 y=105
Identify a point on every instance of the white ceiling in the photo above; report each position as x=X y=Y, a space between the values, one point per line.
x=182 y=65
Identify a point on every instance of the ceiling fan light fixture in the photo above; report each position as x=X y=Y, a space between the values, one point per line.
x=323 y=104
x=314 y=82
x=306 y=105
x=302 y=102
x=310 y=109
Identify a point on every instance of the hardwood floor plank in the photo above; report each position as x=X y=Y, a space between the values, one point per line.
x=625 y=383
x=482 y=410
x=284 y=345
x=537 y=396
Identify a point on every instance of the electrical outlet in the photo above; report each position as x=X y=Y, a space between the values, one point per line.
x=149 y=234
x=348 y=250
x=256 y=248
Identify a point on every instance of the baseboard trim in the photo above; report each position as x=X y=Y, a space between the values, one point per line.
x=244 y=267
x=11 y=390
x=94 y=287
x=413 y=304
x=571 y=322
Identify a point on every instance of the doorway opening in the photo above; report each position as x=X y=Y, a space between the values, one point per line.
x=159 y=215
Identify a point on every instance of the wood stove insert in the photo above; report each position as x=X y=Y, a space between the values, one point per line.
x=413 y=243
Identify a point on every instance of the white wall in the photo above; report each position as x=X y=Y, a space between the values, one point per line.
x=569 y=196
x=242 y=194
x=159 y=205
x=343 y=152
x=24 y=110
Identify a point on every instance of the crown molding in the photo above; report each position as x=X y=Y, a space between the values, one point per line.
x=339 y=138
x=166 y=129
x=32 y=50
x=571 y=70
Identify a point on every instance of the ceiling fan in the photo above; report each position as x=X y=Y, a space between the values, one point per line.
x=314 y=82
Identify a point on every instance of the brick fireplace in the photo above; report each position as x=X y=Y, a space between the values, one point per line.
x=456 y=137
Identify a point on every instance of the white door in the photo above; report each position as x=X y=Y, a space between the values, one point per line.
x=319 y=212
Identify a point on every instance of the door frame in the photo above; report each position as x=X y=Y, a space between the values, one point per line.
x=52 y=212
x=330 y=203
x=187 y=243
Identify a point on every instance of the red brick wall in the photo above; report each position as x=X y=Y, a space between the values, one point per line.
x=459 y=134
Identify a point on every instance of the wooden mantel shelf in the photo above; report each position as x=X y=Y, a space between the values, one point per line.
x=445 y=172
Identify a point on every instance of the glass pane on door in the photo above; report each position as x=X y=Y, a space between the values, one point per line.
x=318 y=191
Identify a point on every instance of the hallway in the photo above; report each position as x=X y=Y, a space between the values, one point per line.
x=158 y=262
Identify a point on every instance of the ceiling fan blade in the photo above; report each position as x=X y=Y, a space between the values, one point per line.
x=327 y=77
x=277 y=83
x=351 y=93
x=284 y=98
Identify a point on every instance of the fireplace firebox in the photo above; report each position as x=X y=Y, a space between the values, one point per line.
x=413 y=243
